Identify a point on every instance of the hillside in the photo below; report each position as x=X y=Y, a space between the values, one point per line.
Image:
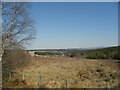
x=103 y=53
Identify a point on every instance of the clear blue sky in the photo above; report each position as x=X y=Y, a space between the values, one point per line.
x=74 y=25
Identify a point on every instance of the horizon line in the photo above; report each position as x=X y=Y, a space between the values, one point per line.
x=76 y=47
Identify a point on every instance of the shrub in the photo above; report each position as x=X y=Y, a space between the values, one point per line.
x=117 y=56
x=14 y=59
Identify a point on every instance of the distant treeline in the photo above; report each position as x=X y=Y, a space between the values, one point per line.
x=47 y=53
x=104 y=53
x=47 y=50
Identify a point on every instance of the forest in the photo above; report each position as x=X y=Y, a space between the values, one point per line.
x=103 y=53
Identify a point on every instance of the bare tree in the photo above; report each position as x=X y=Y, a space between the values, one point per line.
x=0 y=26
x=17 y=32
x=17 y=26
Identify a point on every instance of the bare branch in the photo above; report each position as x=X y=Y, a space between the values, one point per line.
x=17 y=25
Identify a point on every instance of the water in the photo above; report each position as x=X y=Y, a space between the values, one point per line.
x=58 y=51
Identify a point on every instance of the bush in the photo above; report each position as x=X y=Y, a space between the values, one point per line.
x=117 y=56
x=14 y=59
x=96 y=56
x=74 y=53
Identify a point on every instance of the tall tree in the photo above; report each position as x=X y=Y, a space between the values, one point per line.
x=17 y=32
x=17 y=25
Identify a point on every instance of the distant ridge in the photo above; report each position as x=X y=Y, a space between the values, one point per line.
x=90 y=48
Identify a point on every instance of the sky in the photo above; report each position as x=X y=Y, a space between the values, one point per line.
x=74 y=24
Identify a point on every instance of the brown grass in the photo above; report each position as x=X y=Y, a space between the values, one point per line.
x=52 y=72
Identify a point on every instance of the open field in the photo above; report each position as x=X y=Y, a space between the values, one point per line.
x=54 y=72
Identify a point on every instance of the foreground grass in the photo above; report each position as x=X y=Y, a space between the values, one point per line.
x=52 y=72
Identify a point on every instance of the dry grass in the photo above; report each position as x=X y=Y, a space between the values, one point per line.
x=52 y=72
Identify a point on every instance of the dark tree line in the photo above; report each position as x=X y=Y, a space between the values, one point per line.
x=105 y=53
